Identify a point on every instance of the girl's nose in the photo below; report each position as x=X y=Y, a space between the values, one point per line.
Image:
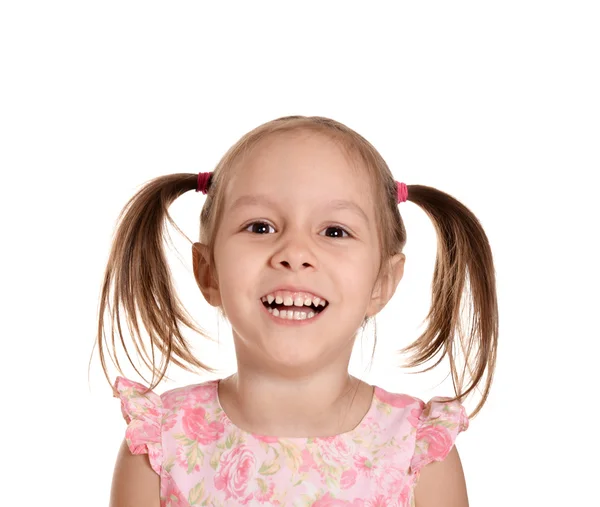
x=297 y=254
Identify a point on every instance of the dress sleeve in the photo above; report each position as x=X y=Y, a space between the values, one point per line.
x=439 y=424
x=143 y=414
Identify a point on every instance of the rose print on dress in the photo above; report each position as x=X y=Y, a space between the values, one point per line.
x=173 y=497
x=205 y=460
x=436 y=432
x=365 y=465
x=264 y=495
x=197 y=428
x=348 y=479
x=236 y=470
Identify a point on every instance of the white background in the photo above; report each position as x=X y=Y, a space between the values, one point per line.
x=496 y=103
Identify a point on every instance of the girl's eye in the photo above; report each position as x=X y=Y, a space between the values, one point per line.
x=256 y=226
x=262 y=226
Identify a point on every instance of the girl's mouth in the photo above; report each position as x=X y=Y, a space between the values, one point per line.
x=292 y=314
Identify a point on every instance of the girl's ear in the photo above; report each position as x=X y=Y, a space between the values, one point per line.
x=386 y=287
x=203 y=274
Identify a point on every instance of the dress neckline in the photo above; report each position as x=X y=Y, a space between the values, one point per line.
x=269 y=438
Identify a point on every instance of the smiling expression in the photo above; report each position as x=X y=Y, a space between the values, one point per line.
x=298 y=221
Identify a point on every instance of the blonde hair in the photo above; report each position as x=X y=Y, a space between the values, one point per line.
x=139 y=280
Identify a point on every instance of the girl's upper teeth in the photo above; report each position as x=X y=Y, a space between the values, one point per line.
x=293 y=299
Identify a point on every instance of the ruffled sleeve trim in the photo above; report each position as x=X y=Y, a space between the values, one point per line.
x=438 y=426
x=143 y=412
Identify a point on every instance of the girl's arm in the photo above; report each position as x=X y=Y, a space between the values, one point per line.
x=134 y=483
x=442 y=484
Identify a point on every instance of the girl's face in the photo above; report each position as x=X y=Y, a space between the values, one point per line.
x=281 y=227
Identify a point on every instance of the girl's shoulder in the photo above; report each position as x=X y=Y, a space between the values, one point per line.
x=419 y=411
x=432 y=426
x=136 y=396
x=150 y=416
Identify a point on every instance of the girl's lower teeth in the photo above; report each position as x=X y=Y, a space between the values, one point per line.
x=291 y=314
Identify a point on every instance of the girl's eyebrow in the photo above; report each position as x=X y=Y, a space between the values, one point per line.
x=256 y=199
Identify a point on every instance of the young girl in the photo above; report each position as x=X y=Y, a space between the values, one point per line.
x=300 y=246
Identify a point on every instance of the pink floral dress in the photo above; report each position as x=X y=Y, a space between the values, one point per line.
x=202 y=458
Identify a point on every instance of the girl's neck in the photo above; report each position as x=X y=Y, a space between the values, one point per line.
x=320 y=405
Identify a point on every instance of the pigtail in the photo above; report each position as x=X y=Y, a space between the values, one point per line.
x=138 y=285
x=464 y=257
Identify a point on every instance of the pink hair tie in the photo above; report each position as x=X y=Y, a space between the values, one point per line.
x=203 y=179
x=402 y=191
x=203 y=182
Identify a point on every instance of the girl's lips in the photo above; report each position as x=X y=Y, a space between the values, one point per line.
x=292 y=322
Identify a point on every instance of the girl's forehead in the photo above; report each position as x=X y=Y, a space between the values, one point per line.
x=308 y=175
x=300 y=195
x=286 y=165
